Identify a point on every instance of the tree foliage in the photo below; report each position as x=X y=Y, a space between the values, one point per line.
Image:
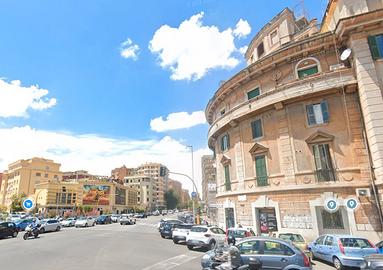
x=171 y=199
x=17 y=200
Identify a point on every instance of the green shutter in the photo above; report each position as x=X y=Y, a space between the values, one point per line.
x=307 y=72
x=373 y=47
x=253 y=93
x=256 y=128
x=310 y=114
x=324 y=108
x=227 y=178
x=261 y=172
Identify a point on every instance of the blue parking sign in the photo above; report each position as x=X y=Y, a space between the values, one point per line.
x=28 y=204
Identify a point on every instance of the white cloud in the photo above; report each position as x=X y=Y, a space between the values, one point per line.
x=243 y=49
x=129 y=50
x=178 y=120
x=97 y=154
x=15 y=100
x=192 y=49
x=242 y=29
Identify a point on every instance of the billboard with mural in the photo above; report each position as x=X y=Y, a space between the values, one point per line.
x=96 y=195
x=120 y=196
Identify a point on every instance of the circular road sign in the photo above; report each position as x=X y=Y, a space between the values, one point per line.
x=194 y=194
x=28 y=204
x=352 y=204
x=331 y=205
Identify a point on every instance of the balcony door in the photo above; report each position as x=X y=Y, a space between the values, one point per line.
x=324 y=170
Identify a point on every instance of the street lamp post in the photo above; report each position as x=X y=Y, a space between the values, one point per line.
x=191 y=148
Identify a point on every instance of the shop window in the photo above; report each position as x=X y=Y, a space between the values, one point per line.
x=324 y=171
x=332 y=220
x=225 y=142
x=261 y=171
x=260 y=50
x=253 y=93
x=256 y=129
x=376 y=46
x=267 y=220
x=227 y=178
x=317 y=113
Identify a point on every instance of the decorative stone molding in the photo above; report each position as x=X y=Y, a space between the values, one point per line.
x=225 y=160
x=258 y=149
x=319 y=137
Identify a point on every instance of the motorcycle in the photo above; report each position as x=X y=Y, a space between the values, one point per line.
x=230 y=259
x=31 y=231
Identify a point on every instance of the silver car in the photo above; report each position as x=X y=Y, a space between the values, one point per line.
x=50 y=225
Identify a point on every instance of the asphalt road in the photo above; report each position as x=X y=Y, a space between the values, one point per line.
x=130 y=247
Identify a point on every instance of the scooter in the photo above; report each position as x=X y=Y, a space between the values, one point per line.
x=31 y=231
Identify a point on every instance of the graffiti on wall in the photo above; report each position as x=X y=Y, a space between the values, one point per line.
x=294 y=221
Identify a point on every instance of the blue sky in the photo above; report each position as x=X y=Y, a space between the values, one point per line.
x=73 y=50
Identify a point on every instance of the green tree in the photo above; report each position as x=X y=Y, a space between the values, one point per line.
x=17 y=200
x=171 y=199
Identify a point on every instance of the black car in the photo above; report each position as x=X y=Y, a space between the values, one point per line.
x=8 y=229
x=104 y=219
x=164 y=221
x=373 y=262
x=166 y=230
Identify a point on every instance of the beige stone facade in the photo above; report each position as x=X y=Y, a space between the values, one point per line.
x=289 y=131
x=22 y=176
x=146 y=190
x=209 y=186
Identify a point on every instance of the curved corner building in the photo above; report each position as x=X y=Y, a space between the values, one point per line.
x=299 y=126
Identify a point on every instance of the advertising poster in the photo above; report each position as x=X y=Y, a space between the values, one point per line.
x=120 y=196
x=96 y=195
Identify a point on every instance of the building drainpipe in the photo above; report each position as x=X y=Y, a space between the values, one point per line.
x=376 y=195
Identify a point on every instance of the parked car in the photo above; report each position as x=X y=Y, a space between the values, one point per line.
x=238 y=234
x=115 y=218
x=50 y=225
x=164 y=212
x=156 y=213
x=163 y=221
x=127 y=219
x=298 y=240
x=205 y=237
x=380 y=247
x=166 y=230
x=104 y=219
x=85 y=222
x=342 y=250
x=14 y=217
x=8 y=229
x=372 y=262
x=23 y=223
x=273 y=253
x=180 y=232
x=69 y=222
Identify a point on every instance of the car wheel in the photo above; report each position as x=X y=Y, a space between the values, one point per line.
x=93 y=224
x=175 y=241
x=14 y=234
x=58 y=228
x=86 y=224
x=190 y=247
x=42 y=230
x=163 y=236
x=337 y=264
x=212 y=245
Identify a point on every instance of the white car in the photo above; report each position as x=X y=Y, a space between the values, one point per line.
x=127 y=219
x=180 y=232
x=69 y=222
x=205 y=237
x=115 y=218
x=85 y=222
x=50 y=225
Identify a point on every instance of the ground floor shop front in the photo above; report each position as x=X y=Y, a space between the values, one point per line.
x=302 y=212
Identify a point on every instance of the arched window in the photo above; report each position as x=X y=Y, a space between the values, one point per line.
x=307 y=67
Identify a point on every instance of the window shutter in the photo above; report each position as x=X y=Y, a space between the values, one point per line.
x=253 y=93
x=222 y=143
x=324 y=108
x=373 y=47
x=256 y=128
x=261 y=172
x=310 y=114
x=227 y=178
x=227 y=141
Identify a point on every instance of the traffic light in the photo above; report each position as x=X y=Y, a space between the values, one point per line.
x=162 y=171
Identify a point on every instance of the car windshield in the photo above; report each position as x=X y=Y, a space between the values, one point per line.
x=198 y=229
x=291 y=237
x=355 y=243
x=81 y=218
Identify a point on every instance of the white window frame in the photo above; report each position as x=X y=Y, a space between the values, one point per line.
x=306 y=67
x=251 y=89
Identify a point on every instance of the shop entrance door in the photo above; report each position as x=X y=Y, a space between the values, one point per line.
x=229 y=216
x=267 y=221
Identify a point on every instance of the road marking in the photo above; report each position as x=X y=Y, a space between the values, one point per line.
x=171 y=262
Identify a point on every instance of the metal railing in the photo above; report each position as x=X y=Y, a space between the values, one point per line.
x=262 y=181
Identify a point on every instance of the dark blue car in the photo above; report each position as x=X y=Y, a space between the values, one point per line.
x=22 y=224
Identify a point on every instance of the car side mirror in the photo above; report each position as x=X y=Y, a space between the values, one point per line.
x=231 y=240
x=315 y=243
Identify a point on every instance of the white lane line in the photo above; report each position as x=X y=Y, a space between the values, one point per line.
x=171 y=262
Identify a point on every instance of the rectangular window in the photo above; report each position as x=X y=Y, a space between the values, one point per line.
x=307 y=71
x=324 y=170
x=261 y=171
x=260 y=50
x=227 y=178
x=332 y=220
x=46 y=175
x=274 y=37
x=256 y=129
x=253 y=93
x=38 y=174
x=317 y=113
x=376 y=46
x=225 y=143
